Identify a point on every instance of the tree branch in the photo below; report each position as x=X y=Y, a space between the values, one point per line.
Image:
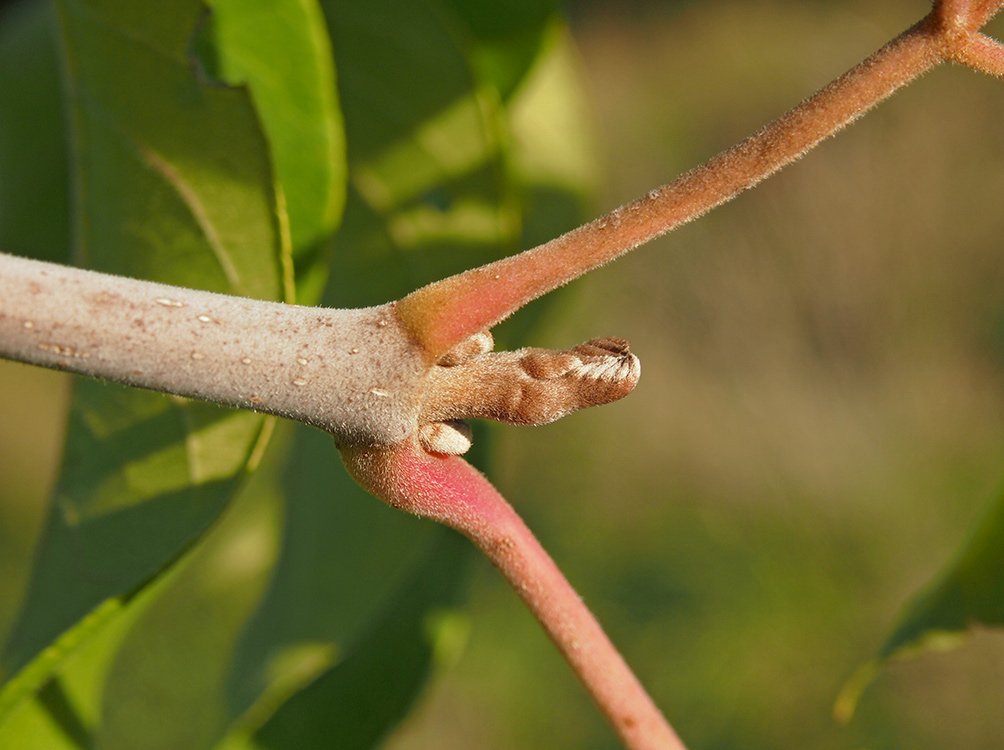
x=983 y=11
x=354 y=373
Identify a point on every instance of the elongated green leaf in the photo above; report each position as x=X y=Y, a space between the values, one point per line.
x=503 y=46
x=34 y=184
x=343 y=556
x=281 y=50
x=66 y=711
x=969 y=592
x=346 y=706
x=165 y=687
x=172 y=183
x=551 y=158
x=172 y=173
x=34 y=221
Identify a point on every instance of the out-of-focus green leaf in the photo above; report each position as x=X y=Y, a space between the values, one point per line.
x=551 y=151
x=503 y=42
x=551 y=158
x=66 y=711
x=173 y=183
x=429 y=192
x=34 y=182
x=281 y=50
x=153 y=677
x=353 y=705
x=969 y=592
x=343 y=556
x=45 y=721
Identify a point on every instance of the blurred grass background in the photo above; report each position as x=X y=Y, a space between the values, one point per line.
x=818 y=424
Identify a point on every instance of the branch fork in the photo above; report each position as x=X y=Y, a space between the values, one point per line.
x=956 y=25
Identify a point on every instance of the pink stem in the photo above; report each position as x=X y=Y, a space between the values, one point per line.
x=982 y=53
x=451 y=491
x=448 y=311
x=946 y=10
x=984 y=11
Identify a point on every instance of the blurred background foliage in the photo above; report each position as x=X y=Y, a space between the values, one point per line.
x=820 y=421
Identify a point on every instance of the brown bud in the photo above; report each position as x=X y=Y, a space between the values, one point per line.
x=527 y=386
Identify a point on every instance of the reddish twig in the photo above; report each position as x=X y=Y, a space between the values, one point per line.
x=952 y=12
x=449 y=490
x=982 y=53
x=983 y=11
x=448 y=311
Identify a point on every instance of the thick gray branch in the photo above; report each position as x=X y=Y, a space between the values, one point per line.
x=354 y=373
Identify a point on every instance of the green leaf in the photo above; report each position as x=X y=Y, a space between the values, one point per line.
x=173 y=180
x=343 y=557
x=551 y=158
x=968 y=592
x=66 y=711
x=551 y=152
x=429 y=194
x=503 y=46
x=169 y=671
x=34 y=182
x=173 y=183
x=353 y=705
x=280 y=49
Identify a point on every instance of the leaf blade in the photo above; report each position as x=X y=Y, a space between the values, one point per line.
x=967 y=592
x=173 y=183
x=281 y=51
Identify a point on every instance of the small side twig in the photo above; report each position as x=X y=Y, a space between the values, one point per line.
x=982 y=11
x=959 y=40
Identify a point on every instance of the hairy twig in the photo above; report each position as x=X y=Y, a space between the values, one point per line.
x=447 y=489
x=982 y=11
x=448 y=311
